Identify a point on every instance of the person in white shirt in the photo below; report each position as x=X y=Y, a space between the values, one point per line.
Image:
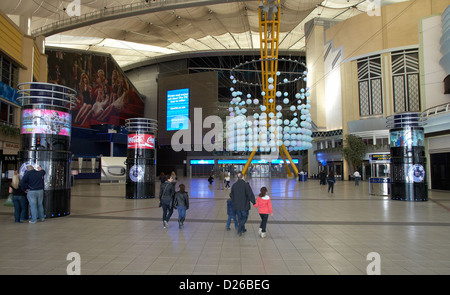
x=357 y=177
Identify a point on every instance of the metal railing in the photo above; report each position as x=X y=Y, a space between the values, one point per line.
x=46 y=94
x=439 y=109
x=120 y=11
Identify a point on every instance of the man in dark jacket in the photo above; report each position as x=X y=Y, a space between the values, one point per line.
x=166 y=193
x=242 y=195
x=33 y=184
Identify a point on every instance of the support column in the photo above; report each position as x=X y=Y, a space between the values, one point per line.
x=408 y=160
x=46 y=127
x=141 y=158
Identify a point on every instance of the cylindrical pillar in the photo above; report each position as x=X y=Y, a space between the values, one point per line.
x=46 y=126
x=141 y=158
x=408 y=160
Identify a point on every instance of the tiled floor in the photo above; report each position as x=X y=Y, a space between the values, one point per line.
x=311 y=232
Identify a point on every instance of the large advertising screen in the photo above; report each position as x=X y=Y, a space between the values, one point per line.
x=407 y=137
x=40 y=121
x=178 y=109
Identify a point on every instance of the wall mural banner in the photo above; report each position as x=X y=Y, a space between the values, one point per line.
x=104 y=94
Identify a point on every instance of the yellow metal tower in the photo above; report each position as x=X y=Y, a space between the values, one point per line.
x=269 y=30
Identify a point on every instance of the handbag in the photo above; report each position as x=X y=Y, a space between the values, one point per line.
x=160 y=205
x=9 y=201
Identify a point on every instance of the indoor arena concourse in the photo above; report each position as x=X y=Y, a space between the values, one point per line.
x=216 y=145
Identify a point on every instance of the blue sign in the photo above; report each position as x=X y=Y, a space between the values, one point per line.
x=379 y=180
x=178 y=109
x=202 y=162
x=260 y=161
x=8 y=93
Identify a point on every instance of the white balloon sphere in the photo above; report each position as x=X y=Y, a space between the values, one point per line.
x=286 y=101
x=271 y=87
x=255 y=101
x=270 y=80
x=278 y=94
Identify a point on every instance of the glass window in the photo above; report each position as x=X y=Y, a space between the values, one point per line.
x=405 y=79
x=370 y=86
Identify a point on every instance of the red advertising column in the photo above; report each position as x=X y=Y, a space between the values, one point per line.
x=141 y=158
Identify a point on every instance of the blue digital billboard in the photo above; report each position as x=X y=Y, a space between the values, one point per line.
x=178 y=109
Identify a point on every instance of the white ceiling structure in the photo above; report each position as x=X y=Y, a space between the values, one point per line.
x=134 y=31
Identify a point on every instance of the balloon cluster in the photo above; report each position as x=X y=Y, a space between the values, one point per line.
x=288 y=125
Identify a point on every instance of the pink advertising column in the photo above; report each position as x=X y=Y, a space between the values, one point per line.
x=141 y=158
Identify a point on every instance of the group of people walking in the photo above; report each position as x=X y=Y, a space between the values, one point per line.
x=238 y=206
x=171 y=199
x=28 y=192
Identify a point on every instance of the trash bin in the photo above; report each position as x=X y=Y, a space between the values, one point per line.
x=303 y=176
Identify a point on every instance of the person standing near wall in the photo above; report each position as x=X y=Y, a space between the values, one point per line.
x=33 y=184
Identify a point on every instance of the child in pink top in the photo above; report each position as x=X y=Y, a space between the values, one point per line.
x=264 y=205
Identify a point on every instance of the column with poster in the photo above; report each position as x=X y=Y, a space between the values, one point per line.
x=141 y=158
x=408 y=160
x=45 y=136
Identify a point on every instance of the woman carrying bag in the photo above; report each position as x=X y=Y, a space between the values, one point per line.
x=19 y=199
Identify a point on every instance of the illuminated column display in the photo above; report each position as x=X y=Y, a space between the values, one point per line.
x=141 y=160
x=45 y=135
x=408 y=161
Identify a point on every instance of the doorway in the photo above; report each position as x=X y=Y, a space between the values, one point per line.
x=440 y=171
